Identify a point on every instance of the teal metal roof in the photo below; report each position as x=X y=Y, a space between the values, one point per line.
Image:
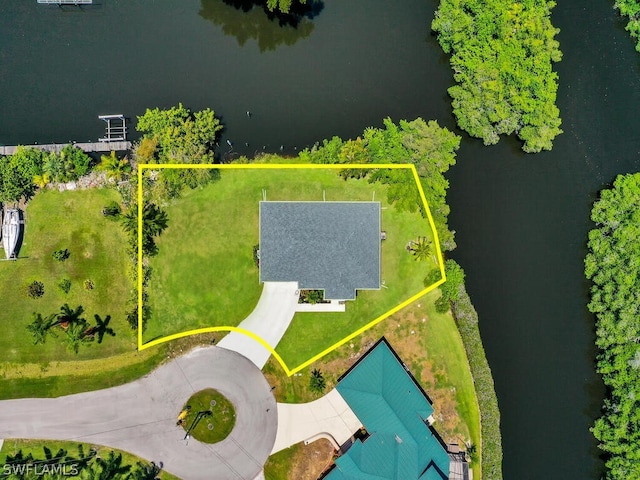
x=394 y=410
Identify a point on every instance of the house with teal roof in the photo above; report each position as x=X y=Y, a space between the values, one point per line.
x=399 y=442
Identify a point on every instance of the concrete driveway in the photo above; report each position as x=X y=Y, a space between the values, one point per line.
x=328 y=417
x=269 y=320
x=140 y=417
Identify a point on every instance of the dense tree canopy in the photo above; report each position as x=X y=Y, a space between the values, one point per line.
x=631 y=9
x=613 y=265
x=27 y=168
x=177 y=135
x=502 y=54
x=428 y=146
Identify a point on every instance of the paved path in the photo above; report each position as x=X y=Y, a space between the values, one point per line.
x=140 y=417
x=328 y=417
x=269 y=320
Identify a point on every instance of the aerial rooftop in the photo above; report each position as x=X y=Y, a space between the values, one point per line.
x=330 y=246
x=395 y=411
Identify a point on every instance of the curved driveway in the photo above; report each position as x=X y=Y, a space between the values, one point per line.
x=268 y=320
x=140 y=417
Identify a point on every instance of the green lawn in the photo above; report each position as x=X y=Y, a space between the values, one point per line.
x=35 y=447
x=204 y=274
x=72 y=220
x=214 y=427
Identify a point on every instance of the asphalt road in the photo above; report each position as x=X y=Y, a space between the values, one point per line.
x=140 y=417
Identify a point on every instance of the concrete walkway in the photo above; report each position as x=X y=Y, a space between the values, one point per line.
x=140 y=417
x=269 y=320
x=328 y=417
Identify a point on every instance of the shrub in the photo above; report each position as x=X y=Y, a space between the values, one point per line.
x=35 y=289
x=61 y=255
x=112 y=210
x=256 y=255
x=467 y=320
x=316 y=381
x=88 y=284
x=311 y=296
x=64 y=285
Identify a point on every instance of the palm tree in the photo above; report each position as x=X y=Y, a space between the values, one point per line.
x=101 y=328
x=146 y=472
x=40 y=327
x=421 y=248
x=154 y=221
x=115 y=167
x=111 y=467
x=68 y=316
x=77 y=335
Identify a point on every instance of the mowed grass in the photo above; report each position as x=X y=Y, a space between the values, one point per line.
x=204 y=274
x=215 y=426
x=72 y=220
x=35 y=447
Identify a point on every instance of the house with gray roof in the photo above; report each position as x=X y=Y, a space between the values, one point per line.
x=330 y=246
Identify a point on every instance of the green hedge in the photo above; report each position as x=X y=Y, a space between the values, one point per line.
x=467 y=320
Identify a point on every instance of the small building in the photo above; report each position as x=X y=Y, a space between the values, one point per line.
x=330 y=246
x=399 y=443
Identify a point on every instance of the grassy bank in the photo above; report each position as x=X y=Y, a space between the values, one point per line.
x=491 y=452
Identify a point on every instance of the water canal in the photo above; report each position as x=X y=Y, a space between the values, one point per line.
x=521 y=220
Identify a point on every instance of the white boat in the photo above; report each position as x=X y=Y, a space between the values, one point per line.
x=10 y=232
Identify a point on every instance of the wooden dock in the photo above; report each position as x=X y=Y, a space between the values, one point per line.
x=85 y=147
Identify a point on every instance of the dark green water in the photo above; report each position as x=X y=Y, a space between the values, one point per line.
x=521 y=220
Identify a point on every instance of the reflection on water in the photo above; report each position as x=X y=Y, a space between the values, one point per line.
x=250 y=19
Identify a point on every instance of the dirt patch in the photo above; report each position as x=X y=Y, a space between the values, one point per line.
x=311 y=460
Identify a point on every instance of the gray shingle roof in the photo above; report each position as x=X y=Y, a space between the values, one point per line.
x=333 y=246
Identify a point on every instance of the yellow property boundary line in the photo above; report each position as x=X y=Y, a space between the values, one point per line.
x=276 y=166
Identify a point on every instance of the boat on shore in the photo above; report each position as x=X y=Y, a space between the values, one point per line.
x=10 y=232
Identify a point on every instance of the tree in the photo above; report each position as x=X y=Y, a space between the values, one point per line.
x=115 y=168
x=76 y=335
x=145 y=471
x=75 y=163
x=502 y=54
x=181 y=136
x=426 y=145
x=154 y=221
x=40 y=327
x=101 y=328
x=17 y=173
x=316 y=381
x=68 y=315
x=450 y=290
x=111 y=468
x=631 y=9
x=613 y=265
x=421 y=248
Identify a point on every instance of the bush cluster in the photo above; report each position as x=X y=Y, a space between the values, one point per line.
x=467 y=320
